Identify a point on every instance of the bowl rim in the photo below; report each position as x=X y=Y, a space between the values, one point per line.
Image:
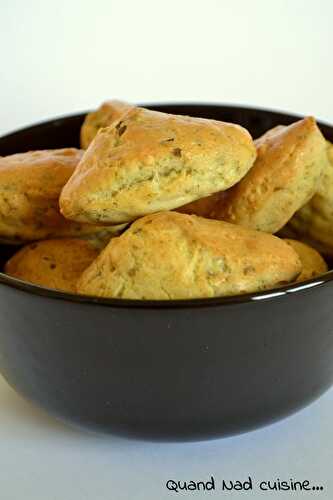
x=270 y=294
x=240 y=107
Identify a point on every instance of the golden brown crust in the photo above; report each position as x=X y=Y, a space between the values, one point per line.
x=52 y=263
x=285 y=175
x=152 y=161
x=30 y=185
x=176 y=256
x=268 y=134
x=104 y=116
x=312 y=262
x=314 y=221
x=202 y=207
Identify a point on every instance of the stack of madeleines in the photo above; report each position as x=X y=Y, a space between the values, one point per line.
x=160 y=206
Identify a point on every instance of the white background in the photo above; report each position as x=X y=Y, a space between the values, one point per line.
x=66 y=56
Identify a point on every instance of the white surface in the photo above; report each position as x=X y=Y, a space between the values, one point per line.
x=66 y=56
x=41 y=459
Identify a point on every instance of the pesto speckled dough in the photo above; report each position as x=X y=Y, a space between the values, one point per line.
x=52 y=263
x=176 y=256
x=112 y=111
x=30 y=185
x=285 y=175
x=152 y=161
x=104 y=116
x=312 y=262
x=314 y=221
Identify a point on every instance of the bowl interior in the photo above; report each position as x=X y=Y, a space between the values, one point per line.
x=65 y=132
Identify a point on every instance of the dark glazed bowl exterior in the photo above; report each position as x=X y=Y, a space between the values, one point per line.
x=179 y=370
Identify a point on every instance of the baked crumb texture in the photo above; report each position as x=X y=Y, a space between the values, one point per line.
x=104 y=116
x=285 y=176
x=312 y=262
x=149 y=161
x=313 y=223
x=176 y=256
x=53 y=264
x=30 y=186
